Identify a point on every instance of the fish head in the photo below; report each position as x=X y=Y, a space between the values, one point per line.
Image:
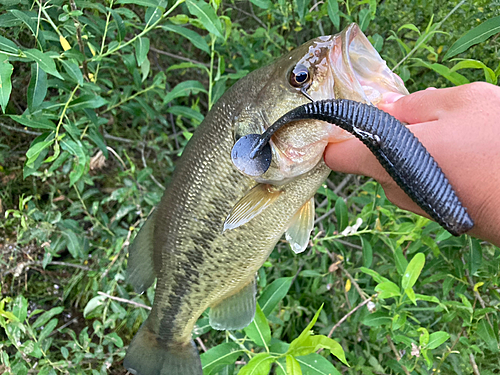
x=341 y=66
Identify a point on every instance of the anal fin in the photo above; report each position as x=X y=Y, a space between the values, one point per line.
x=236 y=311
x=253 y=203
x=141 y=271
x=300 y=229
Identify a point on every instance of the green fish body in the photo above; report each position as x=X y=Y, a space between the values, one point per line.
x=215 y=226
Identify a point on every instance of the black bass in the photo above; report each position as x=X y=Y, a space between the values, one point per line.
x=216 y=226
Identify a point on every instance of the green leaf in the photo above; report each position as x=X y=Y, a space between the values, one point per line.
x=314 y=343
x=87 y=101
x=196 y=39
x=36 y=149
x=387 y=290
x=93 y=304
x=489 y=74
x=25 y=17
x=364 y=19
x=179 y=110
x=31 y=348
x=437 y=338
x=376 y=276
x=47 y=330
x=341 y=214
x=263 y=4
x=454 y=77
x=315 y=364
x=219 y=356
x=20 y=308
x=8 y=45
x=76 y=149
x=141 y=50
x=37 y=88
x=333 y=13
x=46 y=316
x=73 y=244
x=71 y=67
x=274 y=293
x=411 y=295
x=45 y=62
x=207 y=16
x=413 y=271
x=477 y=35
x=400 y=260
x=475 y=256
x=115 y=339
x=304 y=336
x=144 y=3
x=367 y=252
x=292 y=366
x=185 y=88
x=486 y=333
x=35 y=122
x=6 y=70
x=409 y=26
x=259 y=331
x=120 y=25
x=302 y=8
x=258 y=365
x=377 y=319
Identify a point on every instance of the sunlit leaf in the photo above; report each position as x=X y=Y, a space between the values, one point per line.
x=219 y=356
x=258 y=365
x=413 y=270
x=206 y=15
x=258 y=331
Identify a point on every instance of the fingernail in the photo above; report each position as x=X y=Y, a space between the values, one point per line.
x=390 y=97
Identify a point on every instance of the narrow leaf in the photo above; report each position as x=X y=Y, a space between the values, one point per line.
x=71 y=67
x=219 y=356
x=341 y=214
x=46 y=63
x=191 y=35
x=206 y=14
x=413 y=271
x=258 y=365
x=437 y=338
x=259 y=331
x=274 y=293
x=292 y=366
x=367 y=252
x=377 y=319
x=263 y=4
x=37 y=88
x=46 y=316
x=5 y=84
x=141 y=50
x=8 y=45
x=477 y=35
x=35 y=122
x=184 y=89
x=333 y=13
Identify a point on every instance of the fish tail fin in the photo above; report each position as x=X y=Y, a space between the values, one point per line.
x=149 y=355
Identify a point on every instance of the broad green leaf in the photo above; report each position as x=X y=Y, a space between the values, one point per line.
x=258 y=331
x=36 y=149
x=20 y=308
x=37 y=88
x=264 y=4
x=333 y=13
x=45 y=62
x=315 y=364
x=315 y=342
x=424 y=336
x=274 y=293
x=46 y=316
x=219 y=356
x=412 y=272
x=141 y=50
x=6 y=70
x=437 y=338
x=8 y=45
x=184 y=89
x=341 y=214
x=71 y=67
x=486 y=333
x=367 y=252
x=409 y=26
x=477 y=35
x=258 y=365
x=93 y=304
x=186 y=112
x=114 y=338
x=376 y=276
x=207 y=16
x=35 y=122
x=195 y=38
x=387 y=290
x=47 y=329
x=292 y=366
x=31 y=348
x=377 y=319
x=306 y=333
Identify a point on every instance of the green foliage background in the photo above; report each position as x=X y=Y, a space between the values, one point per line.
x=99 y=99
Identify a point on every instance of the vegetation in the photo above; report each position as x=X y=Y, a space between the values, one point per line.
x=99 y=99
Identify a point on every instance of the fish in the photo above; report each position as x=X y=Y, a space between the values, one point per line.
x=216 y=223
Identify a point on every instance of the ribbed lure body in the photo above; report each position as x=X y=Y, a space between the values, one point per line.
x=400 y=153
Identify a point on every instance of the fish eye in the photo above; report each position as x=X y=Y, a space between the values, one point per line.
x=299 y=76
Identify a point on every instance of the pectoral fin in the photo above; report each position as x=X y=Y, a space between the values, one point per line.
x=253 y=203
x=236 y=311
x=299 y=232
x=141 y=272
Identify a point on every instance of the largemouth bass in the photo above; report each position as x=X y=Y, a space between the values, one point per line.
x=216 y=226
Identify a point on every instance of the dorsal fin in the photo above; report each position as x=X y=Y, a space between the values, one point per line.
x=300 y=229
x=253 y=203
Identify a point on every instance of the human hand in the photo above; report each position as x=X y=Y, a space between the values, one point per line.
x=460 y=127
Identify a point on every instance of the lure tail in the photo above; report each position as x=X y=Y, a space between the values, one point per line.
x=149 y=355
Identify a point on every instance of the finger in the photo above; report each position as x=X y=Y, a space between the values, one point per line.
x=427 y=105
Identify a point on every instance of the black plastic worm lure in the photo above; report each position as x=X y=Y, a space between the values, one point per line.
x=397 y=149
